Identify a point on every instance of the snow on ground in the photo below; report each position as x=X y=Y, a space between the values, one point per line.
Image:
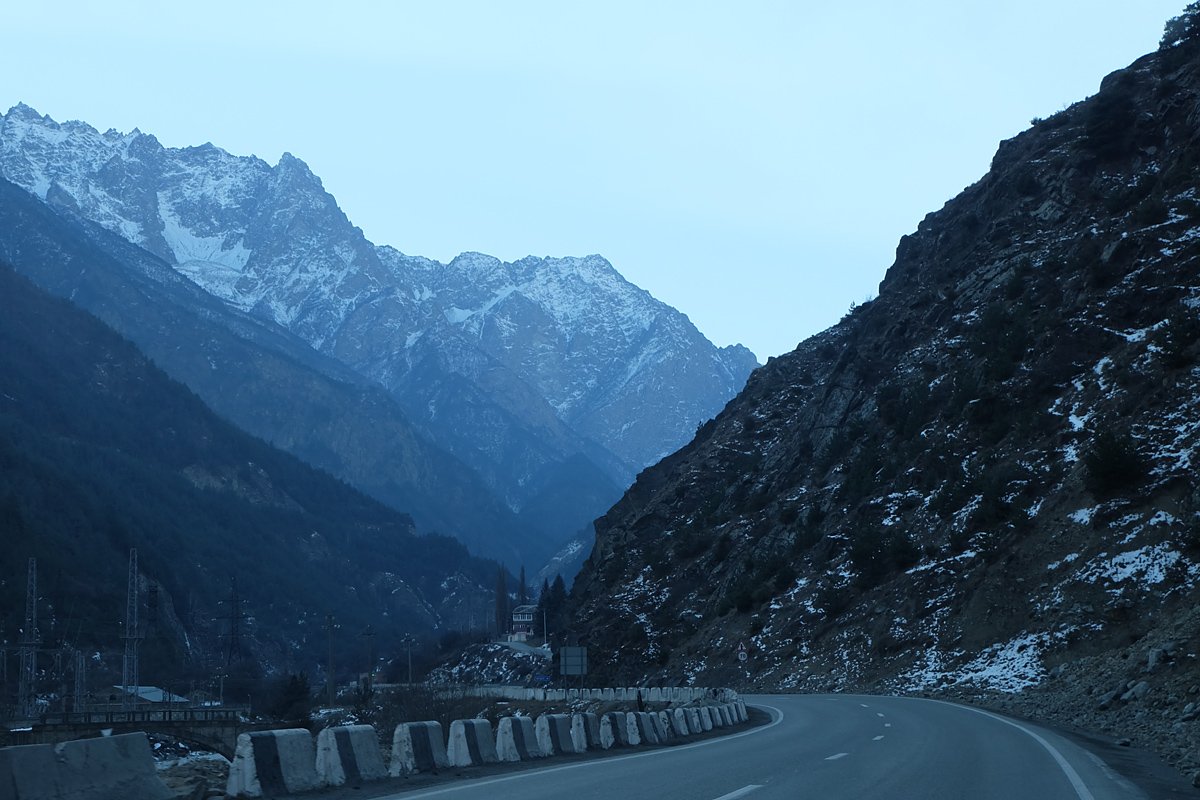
x=1148 y=565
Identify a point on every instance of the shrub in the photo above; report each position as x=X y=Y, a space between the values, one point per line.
x=1112 y=464
x=1183 y=28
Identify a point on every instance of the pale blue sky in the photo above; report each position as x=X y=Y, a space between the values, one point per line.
x=751 y=163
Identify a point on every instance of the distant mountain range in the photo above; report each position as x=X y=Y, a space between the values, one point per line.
x=505 y=404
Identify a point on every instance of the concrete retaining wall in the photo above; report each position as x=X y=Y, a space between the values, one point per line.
x=471 y=743
x=417 y=747
x=585 y=731
x=516 y=740
x=271 y=763
x=349 y=754
x=86 y=769
x=554 y=735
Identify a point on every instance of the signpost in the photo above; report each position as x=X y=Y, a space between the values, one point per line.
x=743 y=656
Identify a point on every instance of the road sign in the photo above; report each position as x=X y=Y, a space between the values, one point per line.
x=572 y=661
x=741 y=651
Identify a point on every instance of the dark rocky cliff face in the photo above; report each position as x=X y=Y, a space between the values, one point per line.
x=981 y=481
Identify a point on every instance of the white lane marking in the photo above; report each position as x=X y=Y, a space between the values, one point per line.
x=864 y=705
x=598 y=762
x=1081 y=789
x=887 y=724
x=742 y=792
x=879 y=713
x=836 y=756
x=877 y=738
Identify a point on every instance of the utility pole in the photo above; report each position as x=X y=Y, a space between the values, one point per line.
x=26 y=690
x=369 y=635
x=329 y=629
x=129 y=666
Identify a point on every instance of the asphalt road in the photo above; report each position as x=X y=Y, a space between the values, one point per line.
x=829 y=747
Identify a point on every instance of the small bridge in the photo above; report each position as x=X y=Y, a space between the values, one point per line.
x=214 y=729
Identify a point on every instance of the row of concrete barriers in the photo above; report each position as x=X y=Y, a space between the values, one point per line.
x=270 y=763
x=652 y=694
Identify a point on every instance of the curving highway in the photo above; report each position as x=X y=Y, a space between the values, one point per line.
x=830 y=747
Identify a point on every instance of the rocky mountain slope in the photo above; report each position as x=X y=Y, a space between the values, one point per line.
x=100 y=451
x=981 y=481
x=555 y=379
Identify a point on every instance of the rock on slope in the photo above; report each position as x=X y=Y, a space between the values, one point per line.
x=555 y=379
x=979 y=480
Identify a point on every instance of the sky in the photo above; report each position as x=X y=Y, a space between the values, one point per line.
x=753 y=164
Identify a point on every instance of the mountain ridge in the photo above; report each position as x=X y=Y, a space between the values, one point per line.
x=511 y=376
x=979 y=483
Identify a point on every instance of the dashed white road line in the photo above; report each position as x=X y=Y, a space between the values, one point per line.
x=879 y=713
x=877 y=738
x=836 y=756
x=864 y=705
x=742 y=792
x=887 y=724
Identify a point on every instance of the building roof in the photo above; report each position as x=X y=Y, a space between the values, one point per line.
x=153 y=694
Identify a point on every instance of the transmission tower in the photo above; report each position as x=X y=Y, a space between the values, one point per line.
x=80 y=694
x=129 y=669
x=234 y=649
x=26 y=689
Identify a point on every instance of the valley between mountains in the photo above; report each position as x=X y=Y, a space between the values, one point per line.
x=981 y=484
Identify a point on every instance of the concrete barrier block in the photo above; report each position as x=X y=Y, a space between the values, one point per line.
x=86 y=769
x=417 y=747
x=666 y=728
x=743 y=712
x=349 y=755
x=642 y=728
x=29 y=771
x=554 y=734
x=718 y=718
x=614 y=730
x=470 y=743
x=585 y=731
x=516 y=739
x=654 y=694
x=269 y=763
x=706 y=721
x=679 y=722
x=608 y=695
